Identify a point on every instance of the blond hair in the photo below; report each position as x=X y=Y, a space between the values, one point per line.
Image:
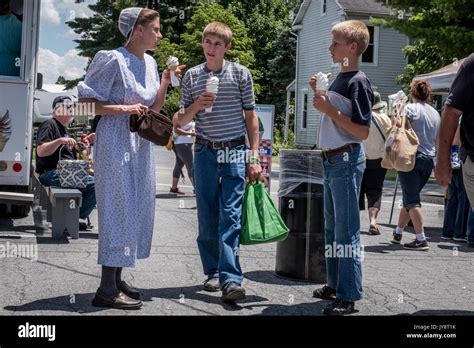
x=353 y=31
x=220 y=30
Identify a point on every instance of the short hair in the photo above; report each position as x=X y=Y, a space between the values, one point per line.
x=220 y=30
x=421 y=90
x=147 y=16
x=353 y=31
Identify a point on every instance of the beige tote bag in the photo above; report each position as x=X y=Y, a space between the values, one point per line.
x=401 y=144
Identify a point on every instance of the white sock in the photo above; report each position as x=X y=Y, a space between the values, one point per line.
x=399 y=230
x=420 y=236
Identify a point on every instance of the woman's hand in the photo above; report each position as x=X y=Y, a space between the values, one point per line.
x=135 y=109
x=166 y=77
x=179 y=71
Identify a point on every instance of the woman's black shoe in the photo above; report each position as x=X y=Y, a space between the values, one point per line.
x=128 y=290
x=119 y=301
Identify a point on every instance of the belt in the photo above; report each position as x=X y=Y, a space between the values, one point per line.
x=220 y=144
x=339 y=150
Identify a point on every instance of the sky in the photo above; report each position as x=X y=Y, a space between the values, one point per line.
x=58 y=54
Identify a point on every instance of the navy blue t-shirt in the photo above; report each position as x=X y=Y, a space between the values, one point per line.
x=350 y=93
x=461 y=97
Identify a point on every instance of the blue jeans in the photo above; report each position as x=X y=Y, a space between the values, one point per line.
x=220 y=187
x=51 y=178
x=457 y=208
x=342 y=179
x=470 y=224
x=412 y=182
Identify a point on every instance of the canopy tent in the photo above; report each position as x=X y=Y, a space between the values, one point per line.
x=441 y=79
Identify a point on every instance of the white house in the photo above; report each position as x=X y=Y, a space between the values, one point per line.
x=382 y=61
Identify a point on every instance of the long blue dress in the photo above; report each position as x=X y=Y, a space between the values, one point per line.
x=123 y=161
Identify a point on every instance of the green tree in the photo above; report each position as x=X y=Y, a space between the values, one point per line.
x=441 y=29
x=268 y=22
x=242 y=42
x=280 y=73
x=190 y=52
x=100 y=31
x=61 y=80
x=422 y=57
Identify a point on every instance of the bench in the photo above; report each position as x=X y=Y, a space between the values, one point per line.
x=61 y=205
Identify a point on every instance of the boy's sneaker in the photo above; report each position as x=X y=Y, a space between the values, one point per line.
x=212 y=285
x=446 y=238
x=233 y=292
x=397 y=238
x=326 y=293
x=339 y=307
x=417 y=245
x=462 y=239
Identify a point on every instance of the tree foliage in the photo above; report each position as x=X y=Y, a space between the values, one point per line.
x=440 y=29
x=261 y=41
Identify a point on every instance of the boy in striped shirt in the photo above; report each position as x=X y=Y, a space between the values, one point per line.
x=219 y=163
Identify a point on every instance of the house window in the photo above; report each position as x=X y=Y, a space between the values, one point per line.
x=370 y=54
x=304 y=123
x=324 y=6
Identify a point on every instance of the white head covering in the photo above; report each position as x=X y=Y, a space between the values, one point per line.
x=127 y=20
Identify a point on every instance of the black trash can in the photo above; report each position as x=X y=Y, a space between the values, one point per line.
x=301 y=255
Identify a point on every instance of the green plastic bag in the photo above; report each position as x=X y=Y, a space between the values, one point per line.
x=261 y=222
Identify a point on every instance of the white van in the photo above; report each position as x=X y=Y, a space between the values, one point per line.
x=43 y=103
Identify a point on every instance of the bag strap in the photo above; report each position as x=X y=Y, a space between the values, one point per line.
x=61 y=149
x=59 y=154
x=378 y=127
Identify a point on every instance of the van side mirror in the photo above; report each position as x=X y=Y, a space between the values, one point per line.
x=39 y=81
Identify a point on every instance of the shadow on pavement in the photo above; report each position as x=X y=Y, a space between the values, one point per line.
x=446 y=312
x=310 y=308
x=460 y=247
x=7 y=225
x=269 y=277
x=77 y=303
x=180 y=294
x=383 y=248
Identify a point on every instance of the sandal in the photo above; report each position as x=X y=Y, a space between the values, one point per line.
x=374 y=230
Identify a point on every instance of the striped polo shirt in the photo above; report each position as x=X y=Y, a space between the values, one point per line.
x=235 y=95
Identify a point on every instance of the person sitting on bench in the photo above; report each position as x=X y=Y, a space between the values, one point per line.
x=53 y=137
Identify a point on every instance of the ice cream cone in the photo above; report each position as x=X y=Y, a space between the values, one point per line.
x=320 y=92
x=212 y=86
x=173 y=64
x=322 y=84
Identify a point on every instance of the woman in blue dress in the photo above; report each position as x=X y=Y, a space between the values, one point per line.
x=120 y=83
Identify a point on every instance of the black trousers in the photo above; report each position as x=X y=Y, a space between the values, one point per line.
x=372 y=184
